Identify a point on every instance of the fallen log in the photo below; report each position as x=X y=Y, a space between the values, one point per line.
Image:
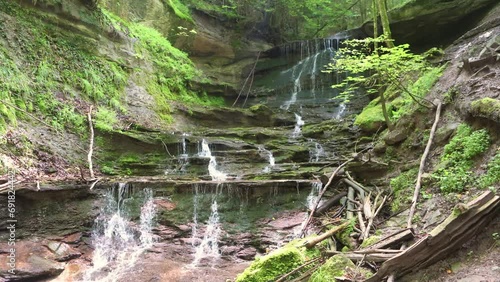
x=463 y=223
x=312 y=242
x=393 y=239
x=375 y=257
x=328 y=204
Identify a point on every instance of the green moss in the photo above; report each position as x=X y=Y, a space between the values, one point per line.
x=486 y=108
x=402 y=189
x=269 y=267
x=370 y=241
x=453 y=173
x=372 y=117
x=333 y=267
x=180 y=10
x=344 y=236
x=105 y=119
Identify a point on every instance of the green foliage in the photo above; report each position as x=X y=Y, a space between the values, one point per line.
x=105 y=119
x=180 y=10
x=402 y=189
x=64 y=67
x=454 y=173
x=492 y=176
x=419 y=89
x=375 y=70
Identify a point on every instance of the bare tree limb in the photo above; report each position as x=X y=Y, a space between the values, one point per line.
x=91 y=145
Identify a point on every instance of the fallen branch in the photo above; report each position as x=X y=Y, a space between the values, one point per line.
x=393 y=239
x=93 y=184
x=422 y=165
x=311 y=243
x=91 y=145
x=375 y=257
x=328 y=204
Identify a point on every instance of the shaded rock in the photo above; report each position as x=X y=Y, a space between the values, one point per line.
x=62 y=251
x=247 y=253
x=444 y=133
x=396 y=136
x=487 y=108
x=164 y=204
x=229 y=250
x=287 y=221
x=73 y=238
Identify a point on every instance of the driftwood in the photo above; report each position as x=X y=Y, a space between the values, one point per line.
x=464 y=222
x=312 y=242
x=328 y=204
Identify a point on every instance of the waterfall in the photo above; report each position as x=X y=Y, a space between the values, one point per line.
x=340 y=111
x=316 y=152
x=298 y=126
x=270 y=157
x=117 y=241
x=183 y=153
x=212 y=164
x=209 y=246
x=314 y=194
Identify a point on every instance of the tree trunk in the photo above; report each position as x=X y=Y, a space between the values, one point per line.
x=385 y=23
x=384 y=109
x=375 y=23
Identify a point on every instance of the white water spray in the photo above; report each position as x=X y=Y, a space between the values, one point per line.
x=298 y=126
x=270 y=157
x=209 y=246
x=216 y=174
x=340 y=111
x=316 y=152
x=117 y=246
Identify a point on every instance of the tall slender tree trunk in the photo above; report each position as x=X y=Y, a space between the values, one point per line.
x=385 y=22
x=375 y=23
x=384 y=108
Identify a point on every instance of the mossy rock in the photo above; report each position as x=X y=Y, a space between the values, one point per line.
x=487 y=108
x=333 y=267
x=371 y=119
x=269 y=267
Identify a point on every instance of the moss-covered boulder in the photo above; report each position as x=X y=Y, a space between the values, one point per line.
x=487 y=108
x=371 y=119
x=333 y=267
x=269 y=267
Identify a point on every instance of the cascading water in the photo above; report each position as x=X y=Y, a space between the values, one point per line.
x=317 y=152
x=117 y=241
x=209 y=246
x=183 y=154
x=340 y=111
x=298 y=126
x=314 y=194
x=212 y=165
x=270 y=157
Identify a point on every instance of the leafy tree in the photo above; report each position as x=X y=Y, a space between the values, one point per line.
x=376 y=70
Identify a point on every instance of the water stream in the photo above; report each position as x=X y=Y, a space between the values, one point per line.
x=299 y=122
x=118 y=241
x=216 y=174
x=270 y=158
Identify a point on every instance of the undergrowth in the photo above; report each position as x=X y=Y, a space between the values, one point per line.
x=454 y=172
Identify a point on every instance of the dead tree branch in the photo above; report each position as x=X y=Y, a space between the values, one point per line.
x=91 y=145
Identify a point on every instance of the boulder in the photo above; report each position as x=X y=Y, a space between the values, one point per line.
x=62 y=251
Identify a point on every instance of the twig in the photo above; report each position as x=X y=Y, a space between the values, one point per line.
x=282 y=278
x=246 y=80
x=166 y=148
x=327 y=234
x=91 y=145
x=95 y=182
